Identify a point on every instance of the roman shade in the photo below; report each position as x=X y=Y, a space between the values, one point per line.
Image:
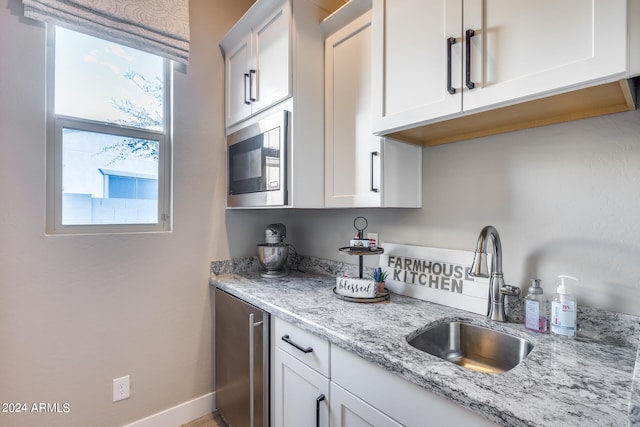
x=160 y=27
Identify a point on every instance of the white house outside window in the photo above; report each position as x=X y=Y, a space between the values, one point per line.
x=108 y=145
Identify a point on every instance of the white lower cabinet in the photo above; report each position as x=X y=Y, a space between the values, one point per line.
x=301 y=394
x=352 y=393
x=349 y=411
x=403 y=401
x=300 y=377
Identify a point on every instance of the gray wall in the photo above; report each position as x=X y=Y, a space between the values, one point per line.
x=78 y=311
x=564 y=198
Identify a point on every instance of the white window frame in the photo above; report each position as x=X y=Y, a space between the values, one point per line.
x=55 y=126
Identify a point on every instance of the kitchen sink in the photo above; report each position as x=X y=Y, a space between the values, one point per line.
x=473 y=347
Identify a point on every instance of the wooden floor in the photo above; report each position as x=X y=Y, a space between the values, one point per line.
x=211 y=420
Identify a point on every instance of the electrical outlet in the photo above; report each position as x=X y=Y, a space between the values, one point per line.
x=121 y=388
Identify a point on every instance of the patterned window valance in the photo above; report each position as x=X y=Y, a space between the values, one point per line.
x=160 y=27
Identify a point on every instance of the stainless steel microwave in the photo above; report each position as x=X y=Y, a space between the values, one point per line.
x=257 y=163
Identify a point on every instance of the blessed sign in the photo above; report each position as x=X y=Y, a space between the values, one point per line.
x=435 y=275
x=357 y=288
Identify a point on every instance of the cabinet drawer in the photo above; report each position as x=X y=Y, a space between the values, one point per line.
x=304 y=346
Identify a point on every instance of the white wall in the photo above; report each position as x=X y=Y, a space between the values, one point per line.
x=78 y=311
x=564 y=198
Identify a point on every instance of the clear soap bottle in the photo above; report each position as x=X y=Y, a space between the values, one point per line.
x=535 y=317
x=564 y=310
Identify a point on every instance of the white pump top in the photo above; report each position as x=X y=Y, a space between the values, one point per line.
x=562 y=287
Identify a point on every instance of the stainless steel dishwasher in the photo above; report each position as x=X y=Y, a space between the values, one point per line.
x=242 y=362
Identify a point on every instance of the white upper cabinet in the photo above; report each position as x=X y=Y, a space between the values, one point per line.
x=435 y=59
x=237 y=65
x=410 y=75
x=274 y=61
x=361 y=169
x=527 y=48
x=257 y=61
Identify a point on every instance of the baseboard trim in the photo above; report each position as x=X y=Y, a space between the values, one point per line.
x=180 y=414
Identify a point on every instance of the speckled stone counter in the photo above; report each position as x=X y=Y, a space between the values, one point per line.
x=563 y=382
x=634 y=402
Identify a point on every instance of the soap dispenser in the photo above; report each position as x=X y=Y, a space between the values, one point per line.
x=564 y=309
x=535 y=308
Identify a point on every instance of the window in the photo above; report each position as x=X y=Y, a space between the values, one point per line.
x=109 y=152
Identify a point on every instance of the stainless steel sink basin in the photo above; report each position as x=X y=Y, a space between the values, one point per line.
x=473 y=347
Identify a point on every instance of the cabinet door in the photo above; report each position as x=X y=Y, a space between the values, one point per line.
x=301 y=394
x=272 y=57
x=408 y=403
x=349 y=411
x=410 y=66
x=237 y=62
x=528 y=48
x=352 y=161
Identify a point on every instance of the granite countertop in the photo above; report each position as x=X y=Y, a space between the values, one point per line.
x=563 y=382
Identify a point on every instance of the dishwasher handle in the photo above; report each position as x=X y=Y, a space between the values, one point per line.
x=252 y=326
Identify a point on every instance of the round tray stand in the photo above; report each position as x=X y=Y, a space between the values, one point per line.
x=384 y=296
x=360 y=223
x=360 y=254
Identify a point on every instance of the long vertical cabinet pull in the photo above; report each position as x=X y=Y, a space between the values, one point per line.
x=252 y=411
x=450 y=42
x=318 y=400
x=468 y=35
x=253 y=85
x=373 y=188
x=247 y=83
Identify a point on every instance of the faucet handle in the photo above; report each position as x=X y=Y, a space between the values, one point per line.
x=512 y=291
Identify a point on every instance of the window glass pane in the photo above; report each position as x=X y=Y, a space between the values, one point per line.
x=101 y=175
x=147 y=189
x=103 y=81
x=122 y=188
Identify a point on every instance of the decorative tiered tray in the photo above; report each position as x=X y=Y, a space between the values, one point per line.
x=384 y=296
x=360 y=252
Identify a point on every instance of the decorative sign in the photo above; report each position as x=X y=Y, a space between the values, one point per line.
x=435 y=275
x=357 y=288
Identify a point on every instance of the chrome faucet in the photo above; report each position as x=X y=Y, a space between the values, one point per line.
x=497 y=287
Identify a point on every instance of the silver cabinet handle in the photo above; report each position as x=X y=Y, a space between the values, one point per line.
x=252 y=325
x=373 y=188
x=287 y=339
